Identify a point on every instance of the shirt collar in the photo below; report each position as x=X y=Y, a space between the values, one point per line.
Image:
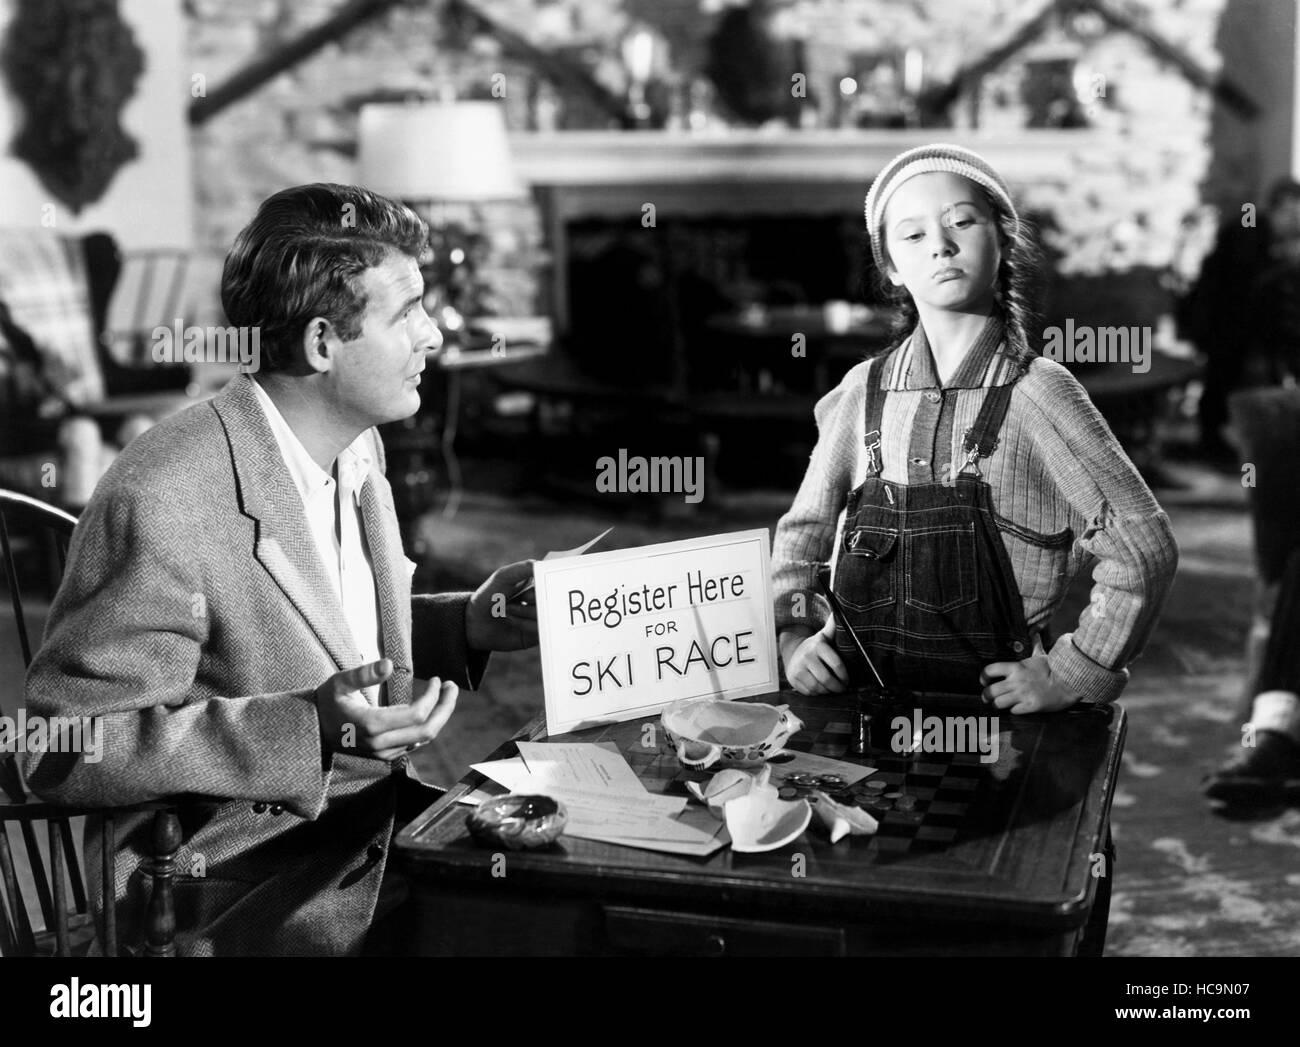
x=311 y=480
x=354 y=468
x=986 y=364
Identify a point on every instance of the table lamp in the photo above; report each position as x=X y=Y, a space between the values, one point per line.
x=431 y=154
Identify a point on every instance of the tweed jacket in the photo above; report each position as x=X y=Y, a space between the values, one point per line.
x=1065 y=494
x=196 y=620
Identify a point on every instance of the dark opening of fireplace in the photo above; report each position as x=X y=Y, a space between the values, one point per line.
x=641 y=299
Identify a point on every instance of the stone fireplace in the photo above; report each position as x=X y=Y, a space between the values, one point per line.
x=652 y=234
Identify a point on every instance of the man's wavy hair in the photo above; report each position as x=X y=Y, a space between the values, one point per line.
x=303 y=255
x=1016 y=287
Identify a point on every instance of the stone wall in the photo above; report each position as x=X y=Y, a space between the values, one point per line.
x=1147 y=163
x=301 y=126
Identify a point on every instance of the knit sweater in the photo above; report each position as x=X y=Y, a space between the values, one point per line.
x=1065 y=493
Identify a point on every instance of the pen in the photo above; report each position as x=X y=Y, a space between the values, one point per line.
x=862 y=736
x=823 y=581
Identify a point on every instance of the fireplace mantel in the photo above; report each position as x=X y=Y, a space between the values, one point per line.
x=610 y=176
x=663 y=158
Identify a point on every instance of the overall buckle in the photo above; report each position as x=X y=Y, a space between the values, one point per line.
x=974 y=452
x=872 y=441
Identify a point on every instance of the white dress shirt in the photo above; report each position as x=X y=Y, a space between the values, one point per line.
x=334 y=515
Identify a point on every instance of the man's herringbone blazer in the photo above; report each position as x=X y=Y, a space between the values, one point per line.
x=196 y=620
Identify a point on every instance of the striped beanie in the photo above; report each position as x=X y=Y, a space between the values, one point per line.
x=938 y=156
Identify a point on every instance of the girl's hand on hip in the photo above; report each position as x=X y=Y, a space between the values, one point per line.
x=1025 y=686
x=815 y=667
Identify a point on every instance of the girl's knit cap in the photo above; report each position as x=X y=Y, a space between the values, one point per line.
x=938 y=156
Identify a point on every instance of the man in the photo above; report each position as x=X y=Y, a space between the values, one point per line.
x=237 y=610
x=1263 y=776
x=1231 y=313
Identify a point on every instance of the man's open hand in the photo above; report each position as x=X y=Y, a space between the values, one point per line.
x=350 y=724
x=494 y=621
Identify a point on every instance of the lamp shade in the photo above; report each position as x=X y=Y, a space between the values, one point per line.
x=436 y=151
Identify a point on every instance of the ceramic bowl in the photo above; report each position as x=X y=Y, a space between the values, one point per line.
x=841 y=819
x=709 y=731
x=727 y=785
x=761 y=821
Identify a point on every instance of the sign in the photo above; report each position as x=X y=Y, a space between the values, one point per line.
x=628 y=632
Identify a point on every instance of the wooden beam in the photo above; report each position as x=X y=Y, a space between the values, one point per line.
x=354 y=13
x=1224 y=89
x=560 y=72
x=939 y=99
x=257 y=72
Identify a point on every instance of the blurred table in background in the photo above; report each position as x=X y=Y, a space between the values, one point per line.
x=767 y=349
x=1135 y=404
x=411 y=444
x=455 y=361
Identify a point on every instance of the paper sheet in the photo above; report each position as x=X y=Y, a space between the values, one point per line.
x=586 y=765
x=599 y=815
x=703 y=835
x=707 y=834
x=560 y=554
x=659 y=823
x=810 y=763
x=512 y=773
x=604 y=799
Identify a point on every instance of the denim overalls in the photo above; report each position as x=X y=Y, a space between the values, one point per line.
x=922 y=573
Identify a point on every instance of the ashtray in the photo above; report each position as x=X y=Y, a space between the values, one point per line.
x=708 y=731
x=517 y=822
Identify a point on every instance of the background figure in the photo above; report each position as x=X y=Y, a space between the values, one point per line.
x=1240 y=307
x=1275 y=297
x=1266 y=772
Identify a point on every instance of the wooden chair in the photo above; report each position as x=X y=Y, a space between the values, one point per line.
x=43 y=531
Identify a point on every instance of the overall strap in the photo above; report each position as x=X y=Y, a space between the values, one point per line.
x=875 y=409
x=981 y=439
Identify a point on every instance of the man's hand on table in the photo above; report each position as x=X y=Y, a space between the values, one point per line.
x=494 y=621
x=350 y=724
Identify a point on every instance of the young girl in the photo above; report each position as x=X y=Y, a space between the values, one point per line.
x=975 y=479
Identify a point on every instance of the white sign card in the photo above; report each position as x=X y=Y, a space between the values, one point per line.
x=627 y=632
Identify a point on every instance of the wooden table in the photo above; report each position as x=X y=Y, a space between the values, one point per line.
x=765 y=340
x=455 y=362
x=1005 y=863
x=1136 y=406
